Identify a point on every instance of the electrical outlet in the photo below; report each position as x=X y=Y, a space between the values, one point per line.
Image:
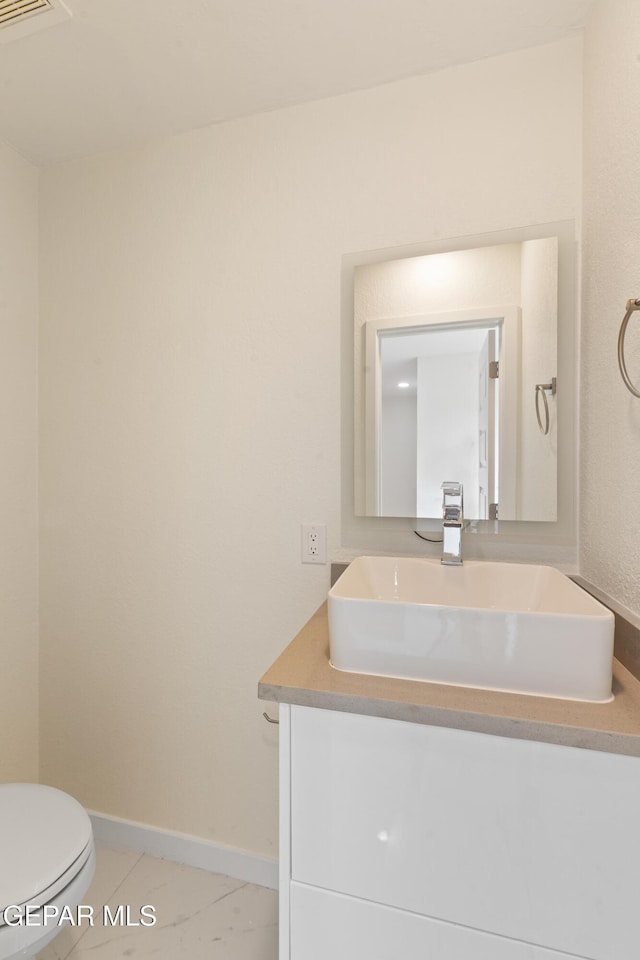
x=314 y=542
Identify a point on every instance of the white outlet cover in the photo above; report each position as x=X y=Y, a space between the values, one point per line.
x=313 y=537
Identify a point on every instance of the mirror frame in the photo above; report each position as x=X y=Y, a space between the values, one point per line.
x=392 y=533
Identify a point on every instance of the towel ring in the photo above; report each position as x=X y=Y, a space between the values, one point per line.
x=631 y=306
x=541 y=389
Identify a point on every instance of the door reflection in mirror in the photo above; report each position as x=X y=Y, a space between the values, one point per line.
x=440 y=415
x=427 y=427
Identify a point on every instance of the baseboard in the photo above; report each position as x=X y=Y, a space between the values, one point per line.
x=181 y=848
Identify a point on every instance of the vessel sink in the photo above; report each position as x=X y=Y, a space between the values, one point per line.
x=520 y=628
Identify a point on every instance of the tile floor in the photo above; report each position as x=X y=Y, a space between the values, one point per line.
x=199 y=914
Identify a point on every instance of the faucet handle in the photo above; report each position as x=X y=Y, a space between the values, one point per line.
x=452 y=501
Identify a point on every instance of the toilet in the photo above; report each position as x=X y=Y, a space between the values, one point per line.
x=47 y=858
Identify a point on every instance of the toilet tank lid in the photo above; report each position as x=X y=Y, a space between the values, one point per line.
x=42 y=832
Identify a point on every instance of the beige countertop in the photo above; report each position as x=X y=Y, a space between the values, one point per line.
x=303 y=675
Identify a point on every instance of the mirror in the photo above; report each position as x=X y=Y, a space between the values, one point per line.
x=450 y=350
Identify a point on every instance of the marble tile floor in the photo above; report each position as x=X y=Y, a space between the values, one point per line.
x=199 y=914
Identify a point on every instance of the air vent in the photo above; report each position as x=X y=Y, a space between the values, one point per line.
x=12 y=10
x=18 y=18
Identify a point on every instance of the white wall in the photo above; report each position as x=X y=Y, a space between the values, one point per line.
x=398 y=478
x=18 y=476
x=190 y=405
x=447 y=407
x=610 y=415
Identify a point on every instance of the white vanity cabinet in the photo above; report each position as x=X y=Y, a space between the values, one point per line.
x=402 y=841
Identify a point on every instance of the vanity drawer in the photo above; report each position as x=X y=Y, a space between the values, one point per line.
x=326 y=924
x=521 y=839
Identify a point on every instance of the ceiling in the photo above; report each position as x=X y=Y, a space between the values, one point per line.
x=121 y=72
x=399 y=352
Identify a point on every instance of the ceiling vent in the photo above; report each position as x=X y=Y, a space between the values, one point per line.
x=18 y=18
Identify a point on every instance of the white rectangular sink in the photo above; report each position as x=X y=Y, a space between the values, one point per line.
x=520 y=628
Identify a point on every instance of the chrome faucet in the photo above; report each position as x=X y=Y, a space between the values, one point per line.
x=452 y=523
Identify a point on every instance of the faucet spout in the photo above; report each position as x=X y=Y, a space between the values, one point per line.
x=452 y=523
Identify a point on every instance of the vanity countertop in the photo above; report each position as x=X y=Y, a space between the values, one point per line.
x=303 y=675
